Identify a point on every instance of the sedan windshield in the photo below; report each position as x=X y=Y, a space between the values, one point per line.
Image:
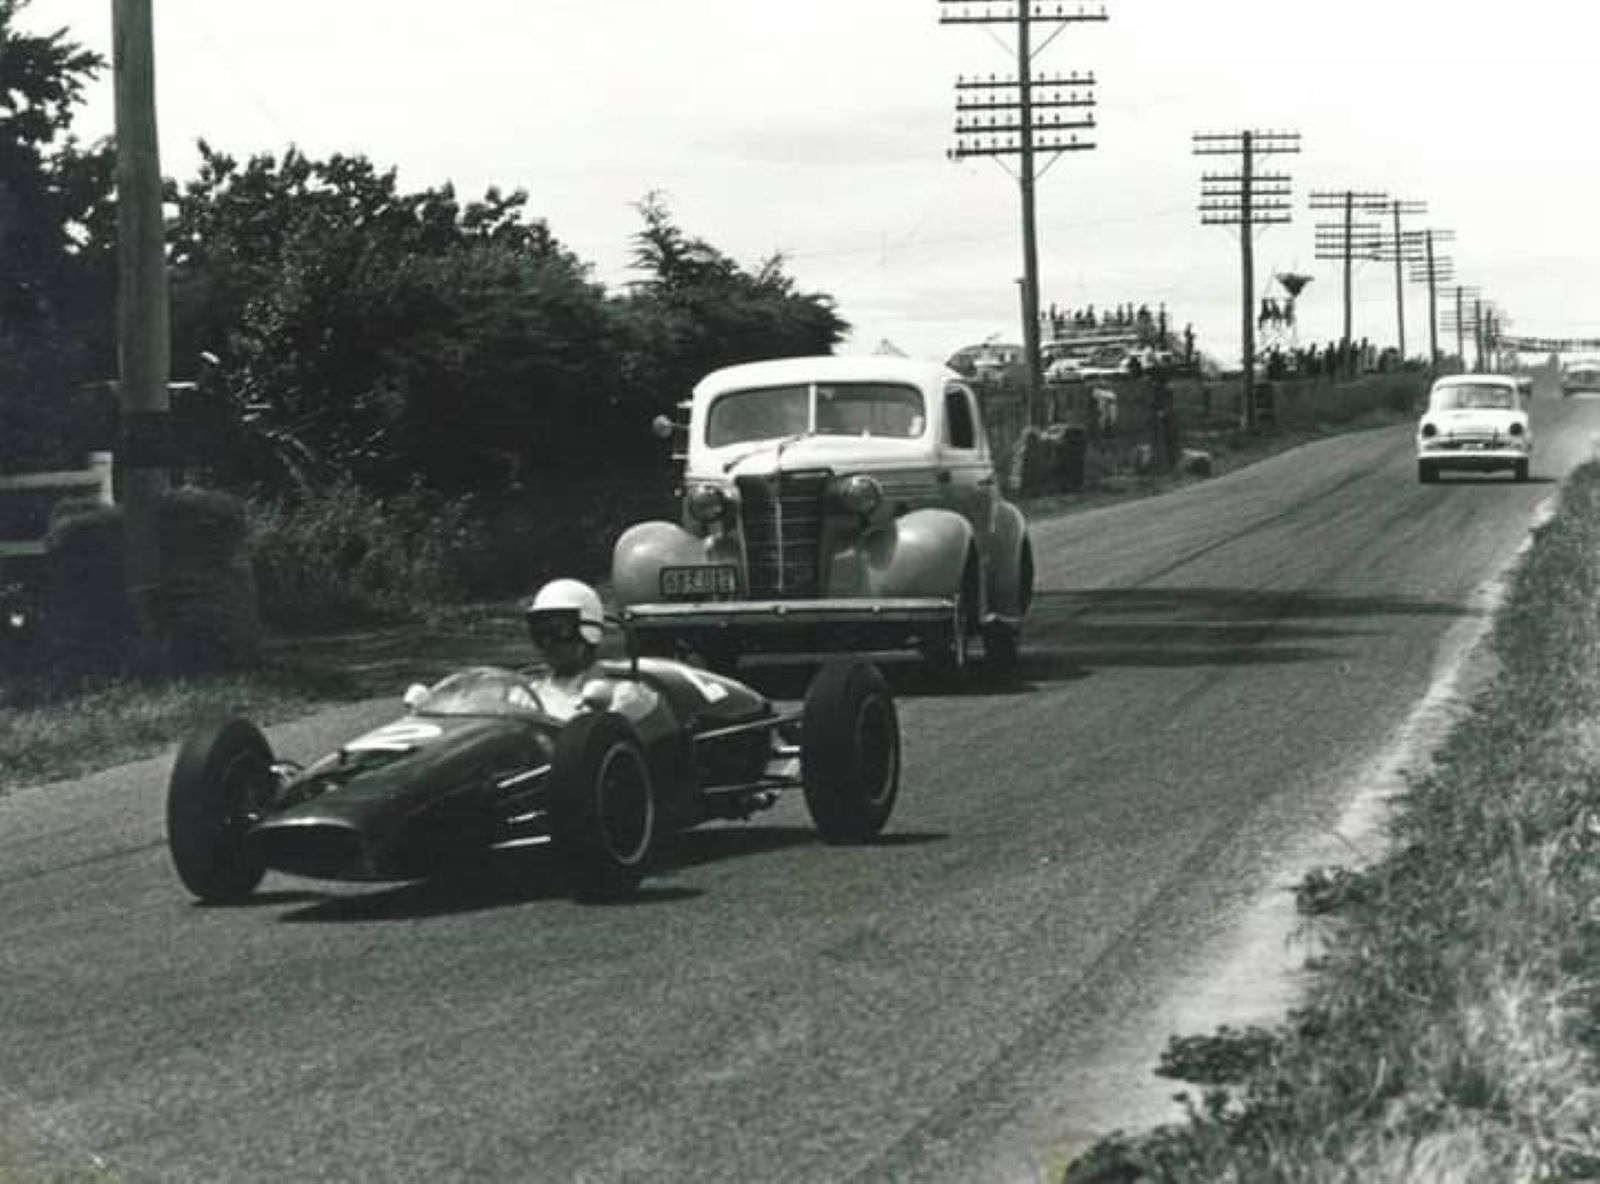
x=826 y=409
x=1475 y=397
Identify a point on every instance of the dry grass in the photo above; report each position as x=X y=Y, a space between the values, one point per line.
x=69 y=731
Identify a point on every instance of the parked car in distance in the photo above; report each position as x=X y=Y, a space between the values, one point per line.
x=1477 y=423
x=832 y=503
x=1065 y=369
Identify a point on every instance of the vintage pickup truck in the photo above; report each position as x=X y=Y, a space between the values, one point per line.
x=832 y=503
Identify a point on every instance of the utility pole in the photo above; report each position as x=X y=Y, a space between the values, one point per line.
x=1245 y=199
x=1394 y=248
x=1458 y=318
x=1433 y=269
x=1347 y=239
x=1002 y=117
x=143 y=453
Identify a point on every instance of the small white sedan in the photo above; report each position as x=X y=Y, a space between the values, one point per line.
x=1476 y=422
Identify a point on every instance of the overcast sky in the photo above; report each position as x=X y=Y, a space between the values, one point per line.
x=820 y=128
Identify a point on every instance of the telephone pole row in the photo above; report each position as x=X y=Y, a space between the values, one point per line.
x=1393 y=248
x=1006 y=118
x=1245 y=199
x=1432 y=269
x=1346 y=240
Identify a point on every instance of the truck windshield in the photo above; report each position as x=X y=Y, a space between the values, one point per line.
x=828 y=409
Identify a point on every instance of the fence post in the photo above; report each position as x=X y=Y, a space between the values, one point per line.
x=101 y=464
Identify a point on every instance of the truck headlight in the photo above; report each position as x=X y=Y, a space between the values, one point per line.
x=706 y=502
x=1429 y=431
x=860 y=494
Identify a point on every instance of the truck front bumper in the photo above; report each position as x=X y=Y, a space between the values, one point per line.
x=793 y=626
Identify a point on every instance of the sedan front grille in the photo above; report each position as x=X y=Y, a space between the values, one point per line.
x=782 y=517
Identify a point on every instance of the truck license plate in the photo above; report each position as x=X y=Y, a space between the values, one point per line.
x=699 y=583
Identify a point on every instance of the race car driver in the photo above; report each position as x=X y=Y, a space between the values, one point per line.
x=566 y=623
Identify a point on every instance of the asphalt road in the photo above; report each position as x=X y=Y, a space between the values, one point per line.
x=1206 y=674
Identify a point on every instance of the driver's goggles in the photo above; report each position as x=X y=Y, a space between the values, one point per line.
x=553 y=632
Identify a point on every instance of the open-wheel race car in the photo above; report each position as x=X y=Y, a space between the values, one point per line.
x=478 y=762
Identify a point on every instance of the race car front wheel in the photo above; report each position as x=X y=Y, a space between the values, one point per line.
x=849 y=751
x=220 y=783
x=602 y=806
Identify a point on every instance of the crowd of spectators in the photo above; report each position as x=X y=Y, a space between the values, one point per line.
x=1149 y=326
x=1336 y=359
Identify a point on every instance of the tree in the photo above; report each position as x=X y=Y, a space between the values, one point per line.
x=56 y=272
x=405 y=335
x=698 y=310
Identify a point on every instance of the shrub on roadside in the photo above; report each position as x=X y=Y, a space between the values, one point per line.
x=349 y=556
x=205 y=600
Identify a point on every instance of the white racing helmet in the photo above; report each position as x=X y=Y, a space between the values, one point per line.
x=568 y=600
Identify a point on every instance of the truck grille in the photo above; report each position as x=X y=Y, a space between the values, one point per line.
x=782 y=516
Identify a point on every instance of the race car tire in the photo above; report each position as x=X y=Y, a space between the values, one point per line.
x=602 y=806
x=222 y=777
x=849 y=751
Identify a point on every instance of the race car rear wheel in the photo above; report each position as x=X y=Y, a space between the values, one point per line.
x=849 y=751
x=602 y=806
x=220 y=784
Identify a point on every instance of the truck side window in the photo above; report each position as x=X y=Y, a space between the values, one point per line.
x=958 y=426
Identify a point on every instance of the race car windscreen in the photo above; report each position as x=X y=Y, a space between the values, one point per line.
x=841 y=409
x=1475 y=397
x=481 y=692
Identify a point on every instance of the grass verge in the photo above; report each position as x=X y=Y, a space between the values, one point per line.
x=1452 y=1028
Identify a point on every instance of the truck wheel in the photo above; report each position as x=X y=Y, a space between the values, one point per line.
x=1427 y=473
x=602 y=806
x=1001 y=650
x=1520 y=473
x=220 y=784
x=948 y=654
x=849 y=751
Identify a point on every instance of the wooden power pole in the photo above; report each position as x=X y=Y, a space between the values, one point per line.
x=1433 y=269
x=143 y=452
x=1345 y=240
x=1245 y=199
x=1022 y=117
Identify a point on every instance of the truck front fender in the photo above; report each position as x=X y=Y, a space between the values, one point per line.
x=1010 y=564
x=923 y=553
x=646 y=547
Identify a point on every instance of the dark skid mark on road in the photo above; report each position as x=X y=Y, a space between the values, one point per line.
x=514 y=878
x=1289 y=511
x=1187 y=627
x=103 y=857
x=1240 y=604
